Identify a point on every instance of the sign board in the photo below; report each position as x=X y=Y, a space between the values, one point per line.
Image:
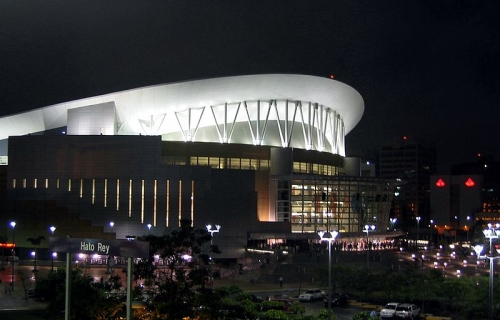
x=119 y=248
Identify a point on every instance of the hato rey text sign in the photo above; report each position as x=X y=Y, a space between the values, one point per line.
x=120 y=248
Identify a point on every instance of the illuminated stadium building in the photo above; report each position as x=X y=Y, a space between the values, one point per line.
x=261 y=155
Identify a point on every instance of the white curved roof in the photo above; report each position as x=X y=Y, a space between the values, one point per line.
x=321 y=109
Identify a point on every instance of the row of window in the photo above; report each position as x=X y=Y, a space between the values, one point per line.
x=250 y=164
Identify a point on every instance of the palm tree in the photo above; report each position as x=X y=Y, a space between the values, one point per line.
x=36 y=242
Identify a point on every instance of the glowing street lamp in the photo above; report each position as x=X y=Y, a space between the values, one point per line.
x=493 y=232
x=367 y=229
x=54 y=255
x=468 y=227
x=393 y=222
x=330 y=239
x=13 y=225
x=149 y=228
x=432 y=229
x=52 y=229
x=212 y=231
x=418 y=228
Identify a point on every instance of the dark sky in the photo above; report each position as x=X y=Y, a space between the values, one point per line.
x=426 y=69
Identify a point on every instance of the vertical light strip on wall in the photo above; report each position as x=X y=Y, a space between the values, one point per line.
x=192 y=203
x=167 y=209
x=142 y=201
x=35 y=183
x=180 y=202
x=154 y=202
x=93 y=191
x=24 y=183
x=46 y=183
x=57 y=183
x=14 y=183
x=130 y=198
x=105 y=193
x=69 y=185
x=117 y=194
x=81 y=188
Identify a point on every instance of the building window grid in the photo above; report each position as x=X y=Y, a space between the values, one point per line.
x=231 y=163
x=318 y=205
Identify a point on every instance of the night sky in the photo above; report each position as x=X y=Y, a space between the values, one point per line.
x=426 y=69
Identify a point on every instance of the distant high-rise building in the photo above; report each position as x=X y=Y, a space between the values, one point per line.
x=412 y=163
x=468 y=197
x=489 y=169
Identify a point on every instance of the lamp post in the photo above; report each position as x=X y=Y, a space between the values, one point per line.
x=330 y=239
x=216 y=230
x=54 y=255
x=367 y=230
x=393 y=222
x=52 y=229
x=432 y=230
x=418 y=228
x=493 y=232
x=456 y=227
x=13 y=225
x=468 y=227
x=149 y=228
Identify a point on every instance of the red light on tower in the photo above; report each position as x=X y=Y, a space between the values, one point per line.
x=404 y=138
x=440 y=183
x=470 y=183
x=332 y=76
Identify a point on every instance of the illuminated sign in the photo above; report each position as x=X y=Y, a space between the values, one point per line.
x=120 y=248
x=440 y=183
x=470 y=183
x=7 y=245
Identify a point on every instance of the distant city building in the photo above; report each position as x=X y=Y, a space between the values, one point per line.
x=262 y=156
x=412 y=163
x=471 y=194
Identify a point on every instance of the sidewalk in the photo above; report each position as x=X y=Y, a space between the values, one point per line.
x=14 y=300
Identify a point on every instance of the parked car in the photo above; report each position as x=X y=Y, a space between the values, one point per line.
x=338 y=299
x=311 y=294
x=285 y=305
x=407 y=311
x=389 y=310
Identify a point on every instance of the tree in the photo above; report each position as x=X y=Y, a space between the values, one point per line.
x=89 y=299
x=186 y=253
x=36 y=242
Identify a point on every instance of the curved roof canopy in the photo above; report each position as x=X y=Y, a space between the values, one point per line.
x=272 y=109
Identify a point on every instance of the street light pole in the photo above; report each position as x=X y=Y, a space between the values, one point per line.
x=418 y=230
x=393 y=222
x=216 y=230
x=432 y=230
x=333 y=235
x=418 y=227
x=54 y=255
x=13 y=225
x=493 y=232
x=468 y=227
x=367 y=230
x=149 y=228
